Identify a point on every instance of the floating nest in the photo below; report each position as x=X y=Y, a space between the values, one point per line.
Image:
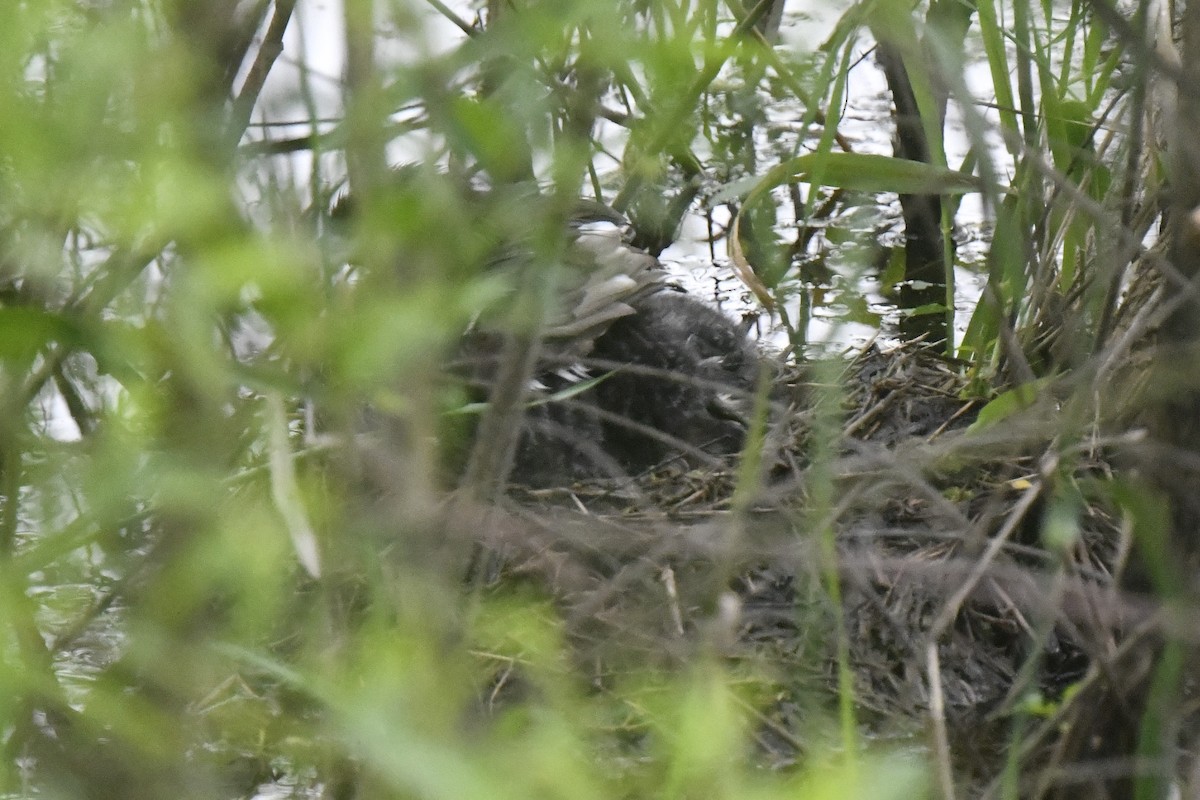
x=913 y=548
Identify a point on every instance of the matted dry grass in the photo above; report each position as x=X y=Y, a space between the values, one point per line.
x=958 y=618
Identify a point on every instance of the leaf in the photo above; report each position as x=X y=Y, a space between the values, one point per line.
x=862 y=172
x=25 y=331
x=857 y=171
x=924 y=310
x=566 y=393
x=573 y=390
x=1061 y=527
x=1150 y=513
x=742 y=266
x=1008 y=403
x=285 y=491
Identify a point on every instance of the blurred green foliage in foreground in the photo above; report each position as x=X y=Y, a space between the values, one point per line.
x=212 y=583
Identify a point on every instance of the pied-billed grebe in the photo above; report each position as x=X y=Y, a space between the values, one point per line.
x=631 y=371
x=672 y=377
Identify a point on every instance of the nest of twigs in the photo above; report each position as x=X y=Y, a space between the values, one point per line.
x=953 y=613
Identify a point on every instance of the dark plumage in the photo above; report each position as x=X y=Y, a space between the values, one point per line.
x=706 y=371
x=672 y=376
x=675 y=380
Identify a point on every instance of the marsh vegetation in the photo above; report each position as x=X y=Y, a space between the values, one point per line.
x=287 y=289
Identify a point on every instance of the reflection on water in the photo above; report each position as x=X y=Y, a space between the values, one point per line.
x=840 y=283
x=850 y=250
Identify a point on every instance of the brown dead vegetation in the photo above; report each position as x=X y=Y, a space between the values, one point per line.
x=960 y=618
